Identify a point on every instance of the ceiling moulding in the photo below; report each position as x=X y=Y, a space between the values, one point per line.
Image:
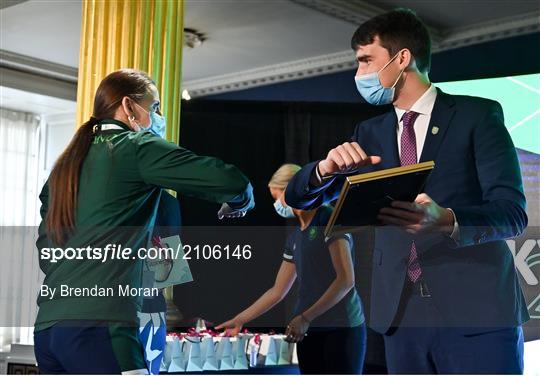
x=500 y=28
x=43 y=68
x=9 y=3
x=37 y=76
x=37 y=84
x=341 y=61
x=272 y=74
x=359 y=11
x=355 y=12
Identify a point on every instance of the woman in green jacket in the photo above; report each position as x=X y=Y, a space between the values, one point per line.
x=98 y=211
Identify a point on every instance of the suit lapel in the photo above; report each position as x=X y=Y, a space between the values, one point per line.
x=388 y=140
x=442 y=114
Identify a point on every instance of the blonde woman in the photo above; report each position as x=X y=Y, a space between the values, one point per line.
x=328 y=322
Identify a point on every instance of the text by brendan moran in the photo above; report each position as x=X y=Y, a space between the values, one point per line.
x=97 y=291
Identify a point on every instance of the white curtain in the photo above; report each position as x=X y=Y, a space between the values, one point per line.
x=20 y=182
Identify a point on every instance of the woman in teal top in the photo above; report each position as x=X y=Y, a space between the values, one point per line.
x=328 y=322
x=101 y=197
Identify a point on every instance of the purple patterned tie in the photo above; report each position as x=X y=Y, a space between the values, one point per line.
x=407 y=157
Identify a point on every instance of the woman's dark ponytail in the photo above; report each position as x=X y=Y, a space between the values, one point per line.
x=64 y=178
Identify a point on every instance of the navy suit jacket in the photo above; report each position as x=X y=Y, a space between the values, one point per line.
x=473 y=281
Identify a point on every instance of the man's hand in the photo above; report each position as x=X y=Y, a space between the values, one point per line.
x=422 y=215
x=346 y=157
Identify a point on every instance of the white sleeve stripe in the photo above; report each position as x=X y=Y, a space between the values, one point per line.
x=288 y=257
x=141 y=371
x=349 y=237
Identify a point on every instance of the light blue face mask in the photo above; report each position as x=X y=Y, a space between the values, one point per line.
x=157 y=124
x=370 y=88
x=282 y=210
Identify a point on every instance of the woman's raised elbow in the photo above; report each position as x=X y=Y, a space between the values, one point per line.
x=347 y=282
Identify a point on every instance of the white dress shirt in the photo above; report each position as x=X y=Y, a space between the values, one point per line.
x=424 y=106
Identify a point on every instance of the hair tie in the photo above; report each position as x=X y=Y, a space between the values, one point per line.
x=94 y=122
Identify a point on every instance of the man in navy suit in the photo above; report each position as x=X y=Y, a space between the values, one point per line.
x=445 y=293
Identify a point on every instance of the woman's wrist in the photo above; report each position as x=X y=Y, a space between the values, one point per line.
x=239 y=319
x=305 y=318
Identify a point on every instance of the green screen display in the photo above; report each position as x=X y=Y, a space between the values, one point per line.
x=520 y=99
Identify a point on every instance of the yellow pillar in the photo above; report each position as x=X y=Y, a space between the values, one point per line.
x=139 y=34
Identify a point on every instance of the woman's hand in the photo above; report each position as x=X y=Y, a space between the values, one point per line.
x=296 y=330
x=232 y=327
x=227 y=212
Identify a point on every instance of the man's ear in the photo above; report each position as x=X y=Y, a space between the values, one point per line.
x=406 y=59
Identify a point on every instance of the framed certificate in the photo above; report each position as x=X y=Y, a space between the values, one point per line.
x=363 y=195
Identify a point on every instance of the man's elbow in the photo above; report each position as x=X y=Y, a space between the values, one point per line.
x=292 y=198
x=516 y=217
x=519 y=216
x=522 y=221
x=300 y=201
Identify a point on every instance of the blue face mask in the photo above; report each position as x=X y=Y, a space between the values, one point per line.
x=157 y=124
x=370 y=88
x=282 y=210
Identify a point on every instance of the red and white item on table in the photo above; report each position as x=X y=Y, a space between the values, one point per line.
x=202 y=349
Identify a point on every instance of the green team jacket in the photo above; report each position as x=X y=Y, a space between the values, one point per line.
x=120 y=186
